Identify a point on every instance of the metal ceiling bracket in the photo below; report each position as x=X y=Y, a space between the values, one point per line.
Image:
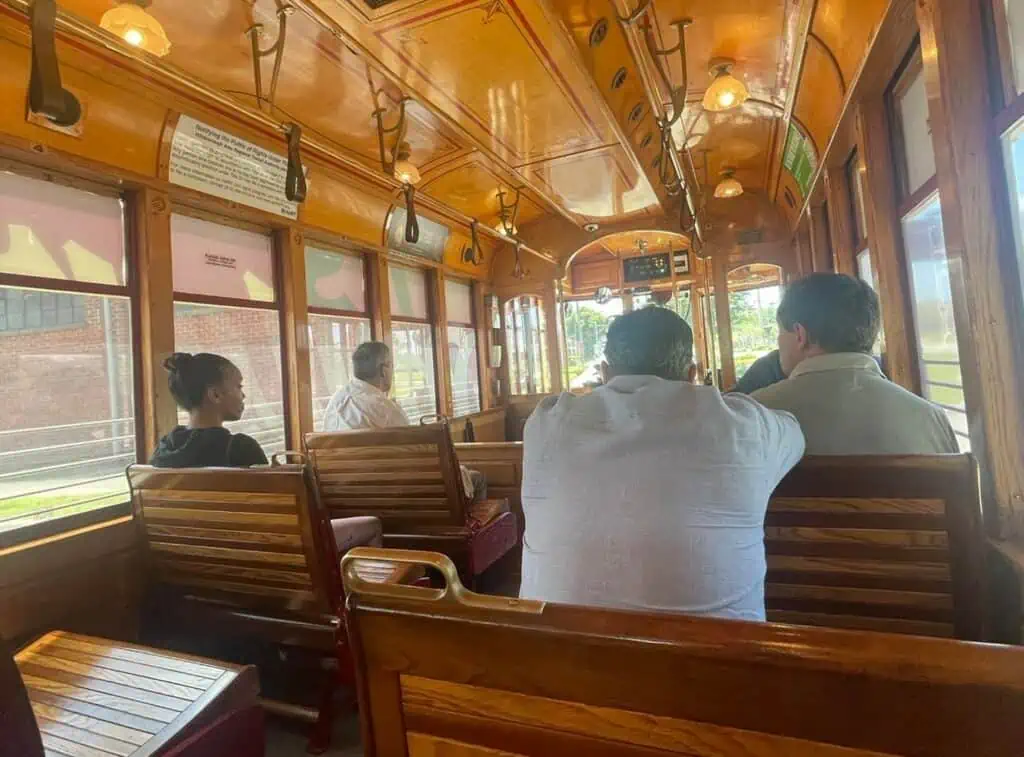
x=636 y=15
x=47 y=96
x=387 y=164
x=508 y=213
x=473 y=254
x=295 y=182
x=412 y=226
x=277 y=50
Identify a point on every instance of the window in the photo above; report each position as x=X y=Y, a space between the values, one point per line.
x=933 y=313
x=754 y=294
x=525 y=332
x=339 y=320
x=1014 y=26
x=914 y=132
x=27 y=310
x=66 y=369
x=412 y=343
x=1013 y=147
x=586 y=330
x=462 y=354
x=855 y=182
x=225 y=303
x=865 y=271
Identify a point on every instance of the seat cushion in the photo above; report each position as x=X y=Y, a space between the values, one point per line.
x=491 y=541
x=359 y=531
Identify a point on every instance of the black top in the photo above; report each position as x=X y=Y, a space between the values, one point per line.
x=207 y=448
x=764 y=371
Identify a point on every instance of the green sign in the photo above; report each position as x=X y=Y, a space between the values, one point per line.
x=800 y=159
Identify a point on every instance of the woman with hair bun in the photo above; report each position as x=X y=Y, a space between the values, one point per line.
x=209 y=387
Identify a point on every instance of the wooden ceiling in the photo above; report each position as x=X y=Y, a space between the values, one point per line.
x=514 y=93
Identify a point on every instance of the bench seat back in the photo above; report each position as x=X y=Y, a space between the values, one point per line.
x=408 y=477
x=446 y=672
x=249 y=538
x=891 y=543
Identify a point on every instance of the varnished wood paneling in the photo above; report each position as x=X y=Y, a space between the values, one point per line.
x=978 y=244
x=886 y=244
x=290 y=249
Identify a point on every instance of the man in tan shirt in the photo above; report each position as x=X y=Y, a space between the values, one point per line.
x=828 y=324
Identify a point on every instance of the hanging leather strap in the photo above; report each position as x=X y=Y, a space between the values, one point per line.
x=295 y=183
x=46 y=94
x=412 y=226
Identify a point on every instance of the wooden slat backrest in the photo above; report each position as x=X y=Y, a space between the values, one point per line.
x=408 y=477
x=889 y=543
x=463 y=674
x=255 y=537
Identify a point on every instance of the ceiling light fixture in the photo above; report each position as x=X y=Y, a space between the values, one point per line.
x=729 y=186
x=131 y=22
x=726 y=91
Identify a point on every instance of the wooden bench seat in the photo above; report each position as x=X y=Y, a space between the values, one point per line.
x=888 y=543
x=409 y=477
x=94 y=697
x=449 y=672
x=249 y=552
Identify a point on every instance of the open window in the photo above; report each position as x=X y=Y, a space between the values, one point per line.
x=412 y=342
x=66 y=368
x=463 y=365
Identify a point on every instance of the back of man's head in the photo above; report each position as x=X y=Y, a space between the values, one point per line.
x=368 y=360
x=653 y=341
x=839 y=313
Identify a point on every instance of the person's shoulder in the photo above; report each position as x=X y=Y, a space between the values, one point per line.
x=775 y=395
x=247 y=451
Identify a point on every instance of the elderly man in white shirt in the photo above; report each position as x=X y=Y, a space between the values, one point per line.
x=365 y=403
x=650 y=493
x=828 y=324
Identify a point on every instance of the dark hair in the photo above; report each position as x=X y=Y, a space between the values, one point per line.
x=653 y=341
x=189 y=376
x=840 y=313
x=368 y=359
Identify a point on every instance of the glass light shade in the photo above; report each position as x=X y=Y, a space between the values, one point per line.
x=728 y=187
x=726 y=92
x=138 y=28
x=406 y=172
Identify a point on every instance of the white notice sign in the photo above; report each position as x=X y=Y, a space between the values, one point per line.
x=212 y=161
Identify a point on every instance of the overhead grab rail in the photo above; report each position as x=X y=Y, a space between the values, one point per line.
x=668 y=155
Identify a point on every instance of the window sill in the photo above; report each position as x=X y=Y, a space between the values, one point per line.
x=55 y=526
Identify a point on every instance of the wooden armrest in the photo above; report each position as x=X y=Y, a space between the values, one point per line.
x=483 y=512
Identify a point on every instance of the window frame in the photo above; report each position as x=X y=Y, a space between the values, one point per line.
x=910 y=67
x=367 y=312
x=276 y=305
x=476 y=338
x=431 y=321
x=852 y=172
x=546 y=380
x=129 y=292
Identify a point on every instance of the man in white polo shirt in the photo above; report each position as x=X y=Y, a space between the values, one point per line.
x=650 y=493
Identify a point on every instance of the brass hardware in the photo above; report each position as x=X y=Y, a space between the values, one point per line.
x=473 y=254
x=599 y=32
x=508 y=213
x=399 y=151
x=518 y=272
x=646 y=141
x=277 y=50
x=281 y=458
x=620 y=78
x=46 y=95
x=636 y=15
x=295 y=182
x=637 y=113
x=453 y=594
x=412 y=226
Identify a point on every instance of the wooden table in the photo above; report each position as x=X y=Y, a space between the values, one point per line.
x=97 y=698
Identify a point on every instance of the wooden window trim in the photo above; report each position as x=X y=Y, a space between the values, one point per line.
x=416 y=321
x=850 y=169
x=918 y=198
x=227 y=302
x=911 y=67
x=15 y=537
x=1010 y=116
x=312 y=310
x=1002 y=53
